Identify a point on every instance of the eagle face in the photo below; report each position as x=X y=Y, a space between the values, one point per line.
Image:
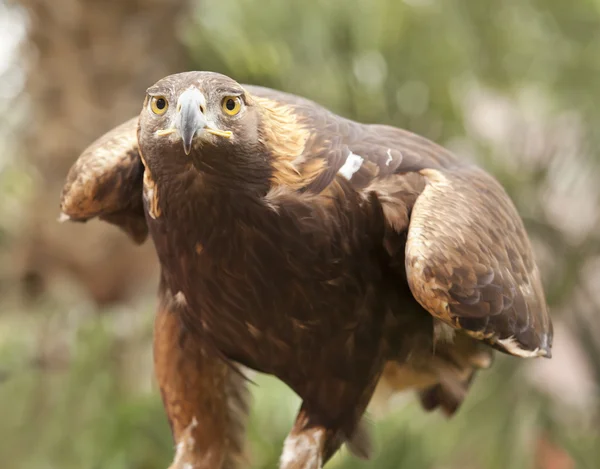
x=201 y=120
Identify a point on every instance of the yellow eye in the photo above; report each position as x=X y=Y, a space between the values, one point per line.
x=159 y=105
x=232 y=105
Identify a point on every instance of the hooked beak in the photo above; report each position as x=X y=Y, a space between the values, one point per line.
x=190 y=118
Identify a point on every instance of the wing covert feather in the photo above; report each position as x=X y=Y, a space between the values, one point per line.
x=469 y=262
x=467 y=256
x=106 y=182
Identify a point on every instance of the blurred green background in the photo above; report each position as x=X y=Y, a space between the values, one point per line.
x=513 y=85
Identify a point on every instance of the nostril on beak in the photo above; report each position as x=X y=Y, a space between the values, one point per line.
x=190 y=116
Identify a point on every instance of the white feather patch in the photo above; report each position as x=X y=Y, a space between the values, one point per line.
x=512 y=346
x=185 y=446
x=389 y=157
x=180 y=299
x=63 y=217
x=302 y=448
x=352 y=164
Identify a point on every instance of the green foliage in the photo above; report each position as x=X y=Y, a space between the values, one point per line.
x=71 y=408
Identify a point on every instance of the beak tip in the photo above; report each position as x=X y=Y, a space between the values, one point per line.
x=187 y=143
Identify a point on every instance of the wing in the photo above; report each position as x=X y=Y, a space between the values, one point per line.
x=106 y=182
x=469 y=262
x=453 y=230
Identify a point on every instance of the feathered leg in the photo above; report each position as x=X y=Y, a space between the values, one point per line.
x=205 y=400
x=305 y=445
x=329 y=417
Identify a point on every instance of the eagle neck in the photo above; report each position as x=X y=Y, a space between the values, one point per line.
x=212 y=209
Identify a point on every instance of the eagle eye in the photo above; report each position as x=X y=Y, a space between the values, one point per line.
x=159 y=105
x=231 y=105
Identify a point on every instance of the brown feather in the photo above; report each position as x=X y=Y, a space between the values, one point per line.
x=473 y=271
x=286 y=138
x=106 y=182
x=206 y=402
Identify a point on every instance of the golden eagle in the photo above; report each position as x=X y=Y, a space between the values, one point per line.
x=323 y=251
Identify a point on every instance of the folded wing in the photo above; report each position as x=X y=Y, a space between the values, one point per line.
x=469 y=262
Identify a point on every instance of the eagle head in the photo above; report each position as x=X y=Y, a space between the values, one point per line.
x=206 y=122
